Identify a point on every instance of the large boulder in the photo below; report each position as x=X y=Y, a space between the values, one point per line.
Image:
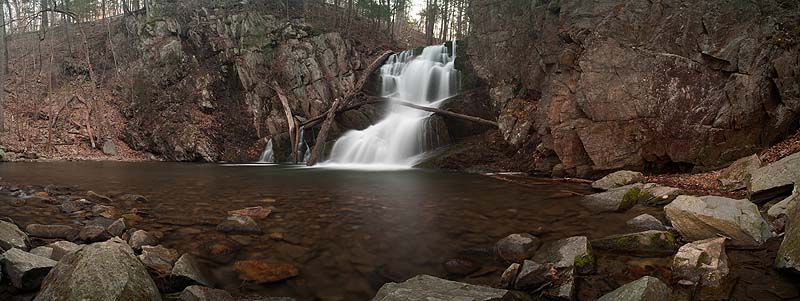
x=737 y=175
x=425 y=288
x=703 y=262
x=572 y=252
x=12 y=237
x=101 y=271
x=647 y=242
x=645 y=289
x=517 y=247
x=705 y=217
x=782 y=173
x=52 y=231
x=26 y=270
x=788 y=257
x=618 y=179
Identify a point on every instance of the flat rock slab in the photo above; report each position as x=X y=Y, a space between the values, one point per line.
x=427 y=288
x=646 y=243
x=698 y=218
x=618 y=179
x=645 y=289
x=784 y=172
x=26 y=270
x=52 y=231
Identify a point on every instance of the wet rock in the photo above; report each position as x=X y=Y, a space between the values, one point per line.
x=131 y=198
x=646 y=222
x=43 y=251
x=109 y=148
x=618 y=179
x=217 y=248
x=202 y=293
x=62 y=248
x=705 y=217
x=461 y=266
x=568 y=253
x=736 y=176
x=158 y=258
x=239 y=224
x=532 y=275
x=72 y=206
x=117 y=228
x=100 y=271
x=12 y=237
x=257 y=212
x=98 y=198
x=788 y=257
x=509 y=276
x=614 y=200
x=26 y=270
x=187 y=271
x=263 y=272
x=656 y=195
x=52 y=231
x=781 y=207
x=424 y=287
x=702 y=261
x=782 y=173
x=91 y=234
x=645 y=289
x=140 y=238
x=104 y=211
x=647 y=242
x=517 y=247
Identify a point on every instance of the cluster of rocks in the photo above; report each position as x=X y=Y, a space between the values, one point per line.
x=697 y=232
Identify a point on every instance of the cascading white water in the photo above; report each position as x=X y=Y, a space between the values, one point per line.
x=398 y=139
x=268 y=156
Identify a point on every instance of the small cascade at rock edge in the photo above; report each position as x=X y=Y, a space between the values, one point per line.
x=268 y=156
x=401 y=136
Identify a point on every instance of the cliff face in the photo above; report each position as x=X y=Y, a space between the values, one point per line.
x=585 y=87
x=205 y=87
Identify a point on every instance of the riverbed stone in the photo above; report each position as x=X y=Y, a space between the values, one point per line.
x=239 y=224
x=614 y=200
x=158 y=258
x=101 y=271
x=262 y=272
x=647 y=242
x=25 y=270
x=43 y=251
x=117 y=228
x=257 y=212
x=52 y=231
x=131 y=198
x=12 y=237
x=618 y=179
x=202 y=293
x=109 y=148
x=461 y=266
x=572 y=252
x=517 y=247
x=91 y=234
x=646 y=222
x=104 y=211
x=98 y=198
x=140 y=238
x=784 y=172
x=646 y=288
x=72 y=206
x=705 y=217
x=788 y=257
x=509 y=276
x=702 y=261
x=737 y=175
x=62 y=248
x=532 y=275
x=426 y=288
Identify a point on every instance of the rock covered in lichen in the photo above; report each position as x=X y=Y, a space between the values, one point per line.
x=572 y=252
x=705 y=217
x=618 y=179
x=647 y=242
x=703 y=262
x=788 y=257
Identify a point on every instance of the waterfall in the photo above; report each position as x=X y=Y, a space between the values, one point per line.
x=426 y=79
x=268 y=156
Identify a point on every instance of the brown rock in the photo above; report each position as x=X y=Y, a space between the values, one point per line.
x=52 y=231
x=257 y=212
x=262 y=272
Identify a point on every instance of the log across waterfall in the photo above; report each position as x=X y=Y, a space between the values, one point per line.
x=423 y=80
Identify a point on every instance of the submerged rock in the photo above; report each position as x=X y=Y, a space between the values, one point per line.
x=26 y=270
x=788 y=257
x=202 y=293
x=100 y=271
x=62 y=248
x=12 y=237
x=425 y=288
x=263 y=272
x=239 y=224
x=618 y=179
x=737 y=175
x=645 y=289
x=72 y=206
x=517 y=247
x=646 y=222
x=568 y=253
x=703 y=262
x=158 y=258
x=647 y=242
x=52 y=231
x=461 y=266
x=705 y=217
x=257 y=212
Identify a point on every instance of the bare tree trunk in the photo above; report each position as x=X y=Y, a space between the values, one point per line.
x=3 y=67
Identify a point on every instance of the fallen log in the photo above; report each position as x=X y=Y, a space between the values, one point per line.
x=289 y=116
x=323 y=133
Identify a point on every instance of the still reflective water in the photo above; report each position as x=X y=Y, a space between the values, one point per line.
x=349 y=231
